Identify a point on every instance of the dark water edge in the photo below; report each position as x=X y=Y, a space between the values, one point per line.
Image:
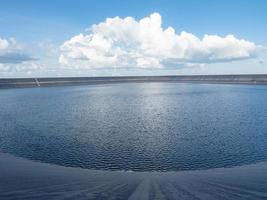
x=24 y=179
x=216 y=79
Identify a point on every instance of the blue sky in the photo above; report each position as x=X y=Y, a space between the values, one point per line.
x=40 y=28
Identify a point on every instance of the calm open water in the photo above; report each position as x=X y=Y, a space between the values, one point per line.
x=137 y=126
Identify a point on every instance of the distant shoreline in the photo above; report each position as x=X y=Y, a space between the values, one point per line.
x=64 y=81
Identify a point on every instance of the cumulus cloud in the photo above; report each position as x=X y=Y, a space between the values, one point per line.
x=11 y=52
x=129 y=43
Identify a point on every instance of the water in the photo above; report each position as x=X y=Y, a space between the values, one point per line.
x=137 y=126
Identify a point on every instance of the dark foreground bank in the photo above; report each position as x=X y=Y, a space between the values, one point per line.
x=24 y=179
x=39 y=82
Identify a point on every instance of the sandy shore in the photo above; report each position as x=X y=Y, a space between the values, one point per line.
x=24 y=179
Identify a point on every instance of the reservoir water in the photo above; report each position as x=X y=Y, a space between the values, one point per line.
x=137 y=126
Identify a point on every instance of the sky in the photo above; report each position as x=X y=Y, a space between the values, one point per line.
x=117 y=38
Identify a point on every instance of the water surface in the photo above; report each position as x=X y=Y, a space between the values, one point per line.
x=137 y=126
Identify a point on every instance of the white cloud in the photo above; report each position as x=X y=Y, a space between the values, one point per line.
x=127 y=43
x=11 y=52
x=3 y=68
x=3 y=44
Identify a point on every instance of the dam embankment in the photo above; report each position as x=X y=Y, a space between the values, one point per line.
x=213 y=79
